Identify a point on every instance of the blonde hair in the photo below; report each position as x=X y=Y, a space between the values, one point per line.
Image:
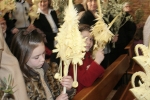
x=84 y=3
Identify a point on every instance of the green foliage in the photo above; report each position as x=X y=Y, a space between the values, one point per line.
x=111 y=10
x=59 y=6
x=138 y=15
x=6 y=86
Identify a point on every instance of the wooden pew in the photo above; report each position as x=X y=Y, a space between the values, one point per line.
x=134 y=67
x=103 y=86
x=123 y=92
x=130 y=49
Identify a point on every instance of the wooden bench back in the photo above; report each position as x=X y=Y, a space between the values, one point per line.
x=103 y=86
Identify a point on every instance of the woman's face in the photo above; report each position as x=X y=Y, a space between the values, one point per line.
x=43 y=4
x=92 y=5
x=127 y=8
x=37 y=57
x=89 y=39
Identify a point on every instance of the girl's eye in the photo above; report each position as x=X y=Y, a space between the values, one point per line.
x=36 y=57
x=43 y=54
x=91 y=39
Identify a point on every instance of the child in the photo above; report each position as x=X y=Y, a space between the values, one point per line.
x=91 y=68
x=29 y=49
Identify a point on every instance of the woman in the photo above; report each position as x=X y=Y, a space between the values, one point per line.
x=47 y=22
x=125 y=34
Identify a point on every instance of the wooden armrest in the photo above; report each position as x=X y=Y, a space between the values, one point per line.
x=129 y=47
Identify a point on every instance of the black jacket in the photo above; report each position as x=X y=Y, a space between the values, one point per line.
x=43 y=24
x=126 y=32
x=88 y=18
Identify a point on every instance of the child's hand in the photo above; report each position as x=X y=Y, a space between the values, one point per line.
x=67 y=82
x=31 y=27
x=62 y=96
x=99 y=56
x=87 y=67
x=15 y=30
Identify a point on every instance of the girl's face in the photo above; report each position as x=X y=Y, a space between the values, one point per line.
x=43 y=5
x=37 y=57
x=89 y=39
x=92 y=5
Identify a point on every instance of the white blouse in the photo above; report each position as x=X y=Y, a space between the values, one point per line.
x=50 y=20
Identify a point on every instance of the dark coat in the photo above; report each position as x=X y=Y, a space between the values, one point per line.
x=43 y=24
x=126 y=32
x=88 y=18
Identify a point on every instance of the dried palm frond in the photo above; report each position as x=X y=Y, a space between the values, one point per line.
x=33 y=13
x=6 y=88
x=100 y=31
x=70 y=44
x=4 y=8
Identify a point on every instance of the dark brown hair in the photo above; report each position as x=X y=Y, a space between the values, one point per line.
x=84 y=27
x=23 y=44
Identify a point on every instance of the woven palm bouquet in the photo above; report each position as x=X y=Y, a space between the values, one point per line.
x=70 y=44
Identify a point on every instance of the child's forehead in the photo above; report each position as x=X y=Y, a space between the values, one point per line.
x=86 y=31
x=86 y=34
x=40 y=48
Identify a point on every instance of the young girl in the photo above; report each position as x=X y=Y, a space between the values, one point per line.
x=91 y=68
x=29 y=49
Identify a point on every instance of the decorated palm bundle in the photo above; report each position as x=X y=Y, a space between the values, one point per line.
x=100 y=31
x=4 y=8
x=142 y=91
x=33 y=13
x=70 y=44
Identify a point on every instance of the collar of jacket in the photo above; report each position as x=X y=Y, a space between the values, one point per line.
x=35 y=74
x=40 y=11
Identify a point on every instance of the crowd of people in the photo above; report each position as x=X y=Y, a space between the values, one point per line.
x=28 y=43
